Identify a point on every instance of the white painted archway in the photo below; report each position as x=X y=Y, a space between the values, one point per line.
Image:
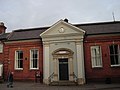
x=63 y=53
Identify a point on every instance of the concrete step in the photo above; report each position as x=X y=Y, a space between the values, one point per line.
x=63 y=83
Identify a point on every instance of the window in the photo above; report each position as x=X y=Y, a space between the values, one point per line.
x=19 y=59
x=34 y=54
x=96 y=56
x=114 y=55
x=1 y=48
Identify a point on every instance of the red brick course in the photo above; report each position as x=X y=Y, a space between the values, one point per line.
x=9 y=59
x=106 y=70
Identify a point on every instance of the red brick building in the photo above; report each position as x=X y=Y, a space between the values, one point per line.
x=92 y=53
x=103 y=44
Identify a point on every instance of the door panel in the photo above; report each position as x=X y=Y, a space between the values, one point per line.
x=63 y=69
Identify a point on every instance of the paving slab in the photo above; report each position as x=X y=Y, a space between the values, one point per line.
x=39 y=86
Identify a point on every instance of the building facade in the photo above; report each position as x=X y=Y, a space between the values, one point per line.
x=63 y=52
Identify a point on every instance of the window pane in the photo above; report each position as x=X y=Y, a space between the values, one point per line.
x=19 y=59
x=21 y=55
x=34 y=58
x=96 y=56
x=35 y=55
x=98 y=50
x=114 y=54
x=111 y=49
x=31 y=53
x=35 y=63
x=112 y=60
x=98 y=61
x=18 y=64
x=116 y=49
x=21 y=63
x=1 y=48
x=116 y=59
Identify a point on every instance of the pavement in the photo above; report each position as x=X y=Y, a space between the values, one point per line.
x=39 y=86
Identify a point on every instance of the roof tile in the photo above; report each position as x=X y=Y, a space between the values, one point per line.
x=91 y=29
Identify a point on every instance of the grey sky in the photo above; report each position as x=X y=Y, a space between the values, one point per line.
x=19 y=14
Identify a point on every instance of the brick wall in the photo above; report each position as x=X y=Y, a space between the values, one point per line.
x=9 y=59
x=99 y=74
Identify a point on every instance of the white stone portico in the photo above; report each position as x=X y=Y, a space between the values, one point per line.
x=63 y=53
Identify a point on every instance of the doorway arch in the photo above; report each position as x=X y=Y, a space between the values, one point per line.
x=63 y=63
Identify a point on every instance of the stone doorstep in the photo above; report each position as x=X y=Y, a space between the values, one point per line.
x=63 y=83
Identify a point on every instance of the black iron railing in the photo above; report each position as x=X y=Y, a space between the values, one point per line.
x=75 y=78
x=50 y=78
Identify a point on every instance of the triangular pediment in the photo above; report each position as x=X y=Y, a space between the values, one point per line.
x=62 y=28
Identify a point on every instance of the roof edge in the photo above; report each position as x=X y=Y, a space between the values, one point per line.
x=97 y=23
x=102 y=33
x=29 y=29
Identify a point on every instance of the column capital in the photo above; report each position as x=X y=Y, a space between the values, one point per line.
x=46 y=44
x=78 y=42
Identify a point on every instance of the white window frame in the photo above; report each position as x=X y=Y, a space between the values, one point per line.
x=1 y=48
x=16 y=61
x=1 y=70
x=96 y=59
x=115 y=65
x=31 y=60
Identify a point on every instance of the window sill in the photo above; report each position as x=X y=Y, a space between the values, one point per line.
x=19 y=69
x=99 y=67
x=34 y=68
x=115 y=66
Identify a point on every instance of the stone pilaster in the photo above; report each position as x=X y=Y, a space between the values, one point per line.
x=80 y=63
x=71 y=69
x=46 y=71
x=55 y=69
